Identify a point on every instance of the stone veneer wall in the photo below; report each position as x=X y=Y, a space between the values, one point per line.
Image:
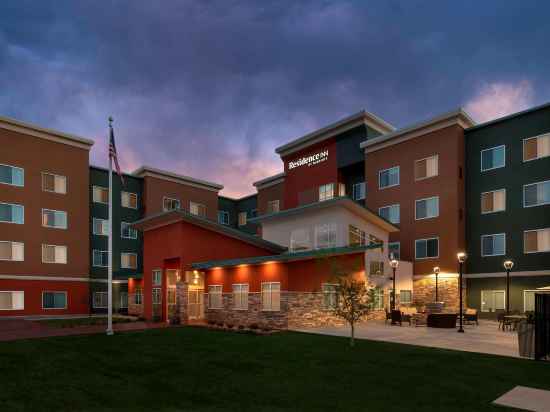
x=424 y=292
x=135 y=310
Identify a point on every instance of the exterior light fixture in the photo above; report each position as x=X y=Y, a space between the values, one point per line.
x=461 y=259
x=508 y=265
x=394 y=263
x=436 y=271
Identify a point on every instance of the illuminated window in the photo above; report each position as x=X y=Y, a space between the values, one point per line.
x=100 y=194
x=240 y=296
x=100 y=227
x=536 y=147
x=326 y=192
x=54 y=254
x=170 y=204
x=12 y=251
x=425 y=168
x=128 y=200
x=494 y=201
x=271 y=296
x=12 y=300
x=535 y=241
x=242 y=218
x=54 y=183
x=128 y=260
x=325 y=236
x=215 y=298
x=330 y=295
x=197 y=209
x=357 y=237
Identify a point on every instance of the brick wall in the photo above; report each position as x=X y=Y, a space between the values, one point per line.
x=424 y=292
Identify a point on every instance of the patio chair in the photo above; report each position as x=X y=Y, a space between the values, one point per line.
x=396 y=317
x=503 y=323
x=470 y=316
x=407 y=314
x=388 y=316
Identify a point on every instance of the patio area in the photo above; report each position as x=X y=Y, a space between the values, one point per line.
x=483 y=338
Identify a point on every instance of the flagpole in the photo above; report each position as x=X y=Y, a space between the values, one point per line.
x=110 y=252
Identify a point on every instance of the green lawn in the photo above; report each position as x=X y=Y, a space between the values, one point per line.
x=194 y=369
x=87 y=321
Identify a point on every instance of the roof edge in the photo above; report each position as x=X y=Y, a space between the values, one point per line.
x=268 y=181
x=509 y=116
x=145 y=170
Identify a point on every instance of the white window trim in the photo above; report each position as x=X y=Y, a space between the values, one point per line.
x=153 y=277
x=247 y=295
x=531 y=291
x=330 y=225
x=153 y=290
x=131 y=193
x=12 y=243
x=54 y=175
x=534 y=230
x=531 y=184
x=14 y=291
x=164 y=198
x=427 y=177
x=271 y=291
x=14 y=167
x=390 y=206
x=245 y=214
x=55 y=227
x=122 y=232
x=131 y=254
x=55 y=291
x=490 y=290
x=97 y=201
x=427 y=257
x=406 y=290
x=364 y=184
x=198 y=205
x=56 y=263
x=326 y=192
x=398 y=177
x=102 y=251
x=221 y=294
x=523 y=148
x=490 y=235
x=224 y=213
x=427 y=217
x=492 y=148
x=97 y=306
x=398 y=244
x=334 y=292
x=14 y=204
x=93 y=226
x=494 y=191
x=273 y=202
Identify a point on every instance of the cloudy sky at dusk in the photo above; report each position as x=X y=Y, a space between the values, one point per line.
x=209 y=89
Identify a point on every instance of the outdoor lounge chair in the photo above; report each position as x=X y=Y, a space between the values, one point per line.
x=470 y=316
x=396 y=317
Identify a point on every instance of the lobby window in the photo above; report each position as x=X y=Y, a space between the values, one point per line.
x=12 y=213
x=54 y=254
x=426 y=168
x=12 y=300
x=100 y=258
x=54 y=300
x=242 y=218
x=100 y=300
x=169 y=203
x=341 y=189
x=388 y=177
x=325 y=236
x=127 y=231
x=376 y=268
x=427 y=208
x=12 y=251
x=390 y=213
x=356 y=236
x=100 y=194
x=54 y=219
x=157 y=277
x=11 y=175
x=138 y=296
x=529 y=300
x=493 y=158
x=493 y=245
x=156 y=294
x=330 y=295
x=326 y=192
x=197 y=209
x=273 y=206
x=54 y=183
x=128 y=260
x=359 y=191
x=223 y=217
x=536 y=147
x=215 y=298
x=405 y=297
x=536 y=241
x=536 y=194
x=271 y=296
x=129 y=200
x=426 y=248
x=240 y=296
x=394 y=249
x=494 y=201
x=124 y=300
x=299 y=240
x=100 y=227
x=378 y=298
x=493 y=300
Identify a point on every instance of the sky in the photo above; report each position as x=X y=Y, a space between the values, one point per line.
x=210 y=88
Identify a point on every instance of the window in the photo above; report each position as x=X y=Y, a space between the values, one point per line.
x=197 y=209
x=271 y=296
x=138 y=296
x=215 y=300
x=390 y=213
x=341 y=189
x=223 y=217
x=405 y=297
x=427 y=208
x=373 y=240
x=100 y=227
x=54 y=300
x=492 y=300
x=100 y=258
x=157 y=296
x=394 y=248
x=101 y=300
x=157 y=277
x=100 y=194
x=273 y=206
x=54 y=254
x=171 y=295
x=494 y=201
x=127 y=231
x=536 y=147
x=12 y=300
x=426 y=248
x=326 y=192
x=170 y=204
x=240 y=296
x=124 y=300
x=493 y=158
x=425 y=168
x=376 y=268
x=536 y=194
x=377 y=298
x=54 y=218
x=493 y=245
x=357 y=237
x=12 y=251
x=242 y=218
x=359 y=191
x=128 y=260
x=128 y=200
x=330 y=295
x=11 y=213
x=325 y=236
x=388 y=177
x=11 y=175
x=535 y=241
x=299 y=240
x=54 y=183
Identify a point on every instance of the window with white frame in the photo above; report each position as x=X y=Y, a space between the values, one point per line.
x=129 y=200
x=100 y=194
x=54 y=183
x=124 y=300
x=388 y=177
x=394 y=250
x=536 y=147
x=356 y=236
x=390 y=213
x=405 y=297
x=536 y=241
x=326 y=192
x=128 y=260
x=100 y=258
x=273 y=206
x=223 y=217
x=359 y=191
x=426 y=168
x=156 y=294
x=325 y=236
x=54 y=254
x=12 y=251
x=330 y=295
x=494 y=201
x=55 y=219
x=171 y=295
x=341 y=189
x=157 y=277
x=215 y=297
x=100 y=227
x=427 y=208
x=12 y=300
x=242 y=218
x=127 y=231
x=169 y=203
x=54 y=300
x=536 y=194
x=493 y=300
x=240 y=296
x=493 y=245
x=426 y=248
x=138 y=296
x=493 y=158
x=376 y=268
x=11 y=175
x=100 y=300
x=529 y=300
x=271 y=296
x=299 y=240
x=197 y=209
x=377 y=298
x=12 y=213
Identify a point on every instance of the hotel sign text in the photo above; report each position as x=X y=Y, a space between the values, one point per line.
x=309 y=160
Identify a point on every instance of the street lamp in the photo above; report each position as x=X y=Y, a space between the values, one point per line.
x=436 y=271
x=508 y=265
x=461 y=259
x=393 y=263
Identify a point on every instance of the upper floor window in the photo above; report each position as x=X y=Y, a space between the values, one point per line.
x=325 y=236
x=12 y=251
x=493 y=245
x=273 y=206
x=427 y=208
x=223 y=217
x=535 y=241
x=54 y=183
x=390 y=213
x=493 y=158
x=12 y=213
x=425 y=168
x=426 y=248
x=157 y=277
x=494 y=201
x=128 y=260
x=127 y=231
x=326 y=192
x=536 y=194
x=242 y=218
x=100 y=194
x=100 y=258
x=54 y=254
x=129 y=200
x=170 y=204
x=54 y=218
x=11 y=175
x=359 y=191
x=536 y=147
x=299 y=240
x=100 y=227
x=357 y=237
x=197 y=209
x=394 y=250
x=388 y=177
x=12 y=300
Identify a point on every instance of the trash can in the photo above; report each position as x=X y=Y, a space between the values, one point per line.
x=526 y=339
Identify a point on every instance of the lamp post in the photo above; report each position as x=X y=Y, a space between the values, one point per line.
x=436 y=271
x=461 y=259
x=393 y=263
x=508 y=265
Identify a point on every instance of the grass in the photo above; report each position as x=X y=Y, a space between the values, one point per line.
x=87 y=321
x=195 y=369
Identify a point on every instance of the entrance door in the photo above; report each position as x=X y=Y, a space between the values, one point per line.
x=171 y=279
x=492 y=300
x=195 y=304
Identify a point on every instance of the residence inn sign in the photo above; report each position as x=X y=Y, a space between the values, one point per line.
x=309 y=160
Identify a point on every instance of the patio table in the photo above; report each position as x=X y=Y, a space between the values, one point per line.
x=515 y=319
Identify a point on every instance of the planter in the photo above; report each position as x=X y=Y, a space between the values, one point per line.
x=526 y=340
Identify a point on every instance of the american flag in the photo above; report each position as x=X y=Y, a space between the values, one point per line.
x=112 y=151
